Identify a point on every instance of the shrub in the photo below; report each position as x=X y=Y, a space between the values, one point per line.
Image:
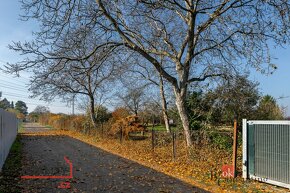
x=162 y=138
x=127 y=125
x=120 y=113
x=221 y=140
x=78 y=122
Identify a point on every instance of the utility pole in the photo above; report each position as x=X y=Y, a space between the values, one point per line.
x=235 y=148
x=73 y=105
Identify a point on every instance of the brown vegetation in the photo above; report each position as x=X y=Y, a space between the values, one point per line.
x=127 y=125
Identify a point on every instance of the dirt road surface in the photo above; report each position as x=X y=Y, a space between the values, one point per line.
x=94 y=170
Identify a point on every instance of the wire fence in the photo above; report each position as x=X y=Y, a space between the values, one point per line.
x=8 y=132
x=172 y=141
x=153 y=137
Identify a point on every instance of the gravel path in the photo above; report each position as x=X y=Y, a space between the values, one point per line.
x=94 y=170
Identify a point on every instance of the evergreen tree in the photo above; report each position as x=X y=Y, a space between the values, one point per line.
x=4 y=104
x=21 y=107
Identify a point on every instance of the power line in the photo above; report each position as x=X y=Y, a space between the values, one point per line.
x=35 y=103
x=8 y=94
x=12 y=83
x=15 y=77
x=20 y=96
x=10 y=87
x=18 y=83
x=47 y=105
x=24 y=93
x=14 y=86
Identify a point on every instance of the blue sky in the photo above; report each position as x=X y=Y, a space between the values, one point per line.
x=11 y=28
x=277 y=84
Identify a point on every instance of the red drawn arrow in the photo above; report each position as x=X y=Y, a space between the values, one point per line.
x=54 y=177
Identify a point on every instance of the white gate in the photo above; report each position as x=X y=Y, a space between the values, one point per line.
x=8 y=132
x=266 y=151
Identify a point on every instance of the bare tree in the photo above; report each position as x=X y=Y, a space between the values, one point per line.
x=133 y=98
x=146 y=72
x=201 y=38
x=40 y=109
x=65 y=78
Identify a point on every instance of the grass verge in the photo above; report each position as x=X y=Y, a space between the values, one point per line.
x=20 y=127
x=49 y=126
x=161 y=128
x=9 y=177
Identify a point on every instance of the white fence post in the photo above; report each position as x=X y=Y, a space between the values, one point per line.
x=245 y=154
x=1 y=142
x=8 y=132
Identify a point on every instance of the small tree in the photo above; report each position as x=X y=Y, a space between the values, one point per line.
x=101 y=113
x=133 y=99
x=198 y=109
x=234 y=99
x=12 y=105
x=21 y=107
x=151 y=113
x=143 y=71
x=126 y=125
x=268 y=109
x=37 y=112
x=41 y=109
x=4 y=104
x=120 y=113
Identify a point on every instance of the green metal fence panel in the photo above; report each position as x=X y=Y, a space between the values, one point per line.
x=266 y=153
x=251 y=149
x=272 y=152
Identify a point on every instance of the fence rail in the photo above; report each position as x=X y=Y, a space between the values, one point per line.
x=8 y=132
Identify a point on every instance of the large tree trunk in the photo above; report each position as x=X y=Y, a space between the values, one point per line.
x=180 y=103
x=164 y=104
x=92 y=112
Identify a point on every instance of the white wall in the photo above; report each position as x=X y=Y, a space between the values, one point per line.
x=8 y=132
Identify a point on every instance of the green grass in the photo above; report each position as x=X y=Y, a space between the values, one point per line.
x=9 y=177
x=20 y=127
x=49 y=126
x=162 y=128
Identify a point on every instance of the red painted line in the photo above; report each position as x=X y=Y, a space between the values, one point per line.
x=70 y=167
x=46 y=177
x=54 y=177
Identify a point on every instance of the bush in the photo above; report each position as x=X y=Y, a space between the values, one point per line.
x=120 y=113
x=221 y=140
x=127 y=125
x=78 y=122
x=162 y=138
